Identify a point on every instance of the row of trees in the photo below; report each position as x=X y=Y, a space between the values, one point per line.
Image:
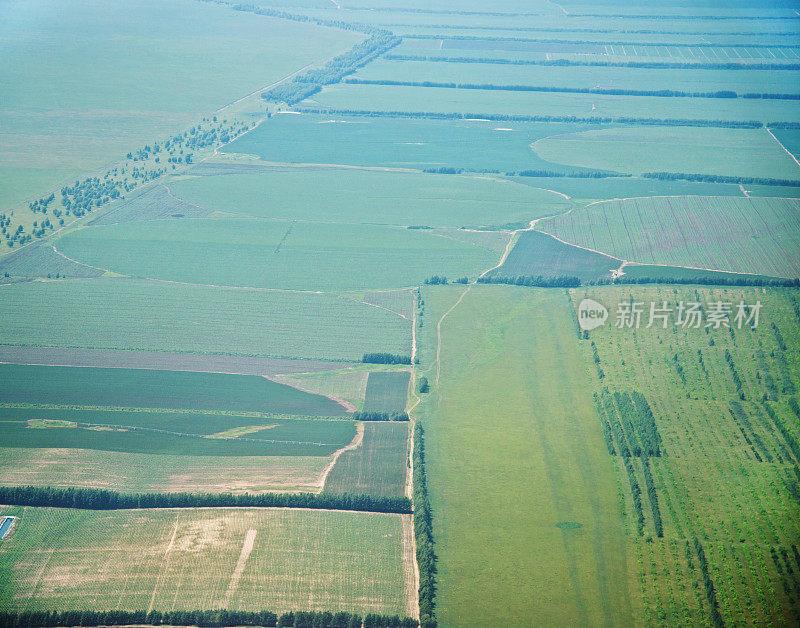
x=385 y=358
x=719 y=279
x=101 y=499
x=655 y=65
x=788 y=437
x=652 y=497
x=737 y=381
x=333 y=71
x=751 y=436
x=538 y=281
x=436 y=280
x=708 y=585
x=607 y=91
x=423 y=534
x=380 y=416
x=718 y=178
x=494 y=117
x=202 y=619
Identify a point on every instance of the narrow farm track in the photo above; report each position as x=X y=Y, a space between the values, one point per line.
x=247 y=548
x=782 y=146
x=266 y=87
x=164 y=562
x=354 y=444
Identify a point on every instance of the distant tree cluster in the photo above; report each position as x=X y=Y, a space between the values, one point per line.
x=538 y=281
x=718 y=178
x=665 y=65
x=101 y=499
x=436 y=280
x=423 y=386
x=385 y=358
x=202 y=619
x=576 y=174
x=334 y=71
x=719 y=279
x=423 y=534
x=380 y=416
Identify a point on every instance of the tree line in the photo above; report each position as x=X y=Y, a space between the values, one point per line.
x=423 y=534
x=495 y=117
x=718 y=178
x=539 y=281
x=710 y=280
x=603 y=91
x=309 y=83
x=655 y=65
x=385 y=358
x=379 y=416
x=202 y=619
x=102 y=499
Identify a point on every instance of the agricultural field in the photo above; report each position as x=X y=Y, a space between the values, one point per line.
x=155 y=316
x=353 y=196
x=377 y=466
x=477 y=103
x=386 y=392
x=586 y=77
x=220 y=558
x=129 y=94
x=745 y=235
x=538 y=254
x=140 y=388
x=401 y=142
x=160 y=473
x=727 y=152
x=717 y=470
x=518 y=472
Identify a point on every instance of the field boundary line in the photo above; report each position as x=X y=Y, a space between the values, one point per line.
x=74 y=261
x=782 y=146
x=247 y=548
x=164 y=562
x=271 y=85
x=354 y=444
x=345 y=404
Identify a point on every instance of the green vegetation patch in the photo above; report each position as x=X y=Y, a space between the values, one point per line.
x=387 y=392
x=39 y=259
x=151 y=316
x=139 y=388
x=713 y=151
x=270 y=254
x=377 y=467
x=244 y=559
x=536 y=254
x=745 y=235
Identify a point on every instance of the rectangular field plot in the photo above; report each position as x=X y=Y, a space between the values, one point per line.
x=716 y=54
x=172 y=433
x=154 y=316
x=244 y=559
x=290 y=255
x=585 y=77
x=399 y=142
x=140 y=388
x=722 y=489
x=378 y=466
x=386 y=392
x=159 y=473
x=746 y=235
x=477 y=103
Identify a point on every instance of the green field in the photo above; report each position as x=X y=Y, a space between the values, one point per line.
x=537 y=254
x=248 y=559
x=586 y=77
x=159 y=473
x=470 y=101
x=366 y=196
x=139 y=388
x=39 y=259
x=171 y=433
x=271 y=254
x=746 y=235
x=386 y=392
x=728 y=152
x=378 y=466
x=725 y=406
x=513 y=449
x=154 y=316
x=148 y=77
x=401 y=142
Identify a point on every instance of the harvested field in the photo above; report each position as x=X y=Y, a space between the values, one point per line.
x=309 y=560
x=378 y=466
